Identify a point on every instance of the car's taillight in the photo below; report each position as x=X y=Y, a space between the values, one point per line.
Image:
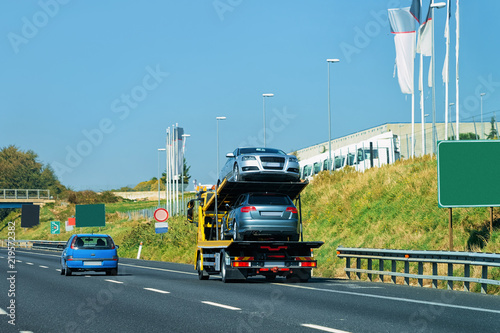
x=73 y=243
x=69 y=258
x=293 y=210
x=248 y=209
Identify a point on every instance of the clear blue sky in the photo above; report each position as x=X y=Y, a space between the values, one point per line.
x=67 y=68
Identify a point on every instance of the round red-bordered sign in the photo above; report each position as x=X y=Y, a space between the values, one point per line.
x=161 y=215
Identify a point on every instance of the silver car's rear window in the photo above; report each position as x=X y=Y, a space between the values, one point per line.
x=261 y=151
x=269 y=200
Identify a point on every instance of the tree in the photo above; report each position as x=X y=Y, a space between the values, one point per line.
x=187 y=176
x=21 y=170
x=493 y=132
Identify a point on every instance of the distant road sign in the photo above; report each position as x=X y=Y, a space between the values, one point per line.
x=55 y=227
x=161 y=215
x=161 y=227
x=468 y=173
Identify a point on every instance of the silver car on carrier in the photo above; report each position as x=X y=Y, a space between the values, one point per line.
x=260 y=164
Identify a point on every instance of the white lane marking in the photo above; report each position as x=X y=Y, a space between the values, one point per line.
x=57 y=269
x=158 y=290
x=121 y=264
x=221 y=305
x=43 y=266
x=113 y=281
x=468 y=308
x=2 y=312
x=323 y=328
x=18 y=261
x=29 y=263
x=160 y=269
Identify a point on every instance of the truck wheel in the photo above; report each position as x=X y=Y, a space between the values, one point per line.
x=201 y=274
x=223 y=268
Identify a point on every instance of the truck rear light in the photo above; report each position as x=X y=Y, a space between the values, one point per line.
x=293 y=210
x=277 y=256
x=308 y=264
x=241 y=264
x=248 y=209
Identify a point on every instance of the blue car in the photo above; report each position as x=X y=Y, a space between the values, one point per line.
x=89 y=252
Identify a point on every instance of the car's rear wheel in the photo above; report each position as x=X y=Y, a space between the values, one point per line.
x=113 y=271
x=236 y=237
x=236 y=173
x=67 y=271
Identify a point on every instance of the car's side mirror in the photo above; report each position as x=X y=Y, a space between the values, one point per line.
x=229 y=155
x=228 y=206
x=117 y=246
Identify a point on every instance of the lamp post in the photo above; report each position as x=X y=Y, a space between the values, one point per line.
x=482 y=124
x=329 y=61
x=184 y=136
x=216 y=220
x=159 y=149
x=434 y=141
x=264 y=112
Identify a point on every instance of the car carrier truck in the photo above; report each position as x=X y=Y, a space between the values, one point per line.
x=236 y=260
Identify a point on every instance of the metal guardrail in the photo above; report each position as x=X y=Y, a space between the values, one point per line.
x=35 y=244
x=24 y=194
x=467 y=259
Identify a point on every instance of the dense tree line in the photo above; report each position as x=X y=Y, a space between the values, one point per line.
x=22 y=170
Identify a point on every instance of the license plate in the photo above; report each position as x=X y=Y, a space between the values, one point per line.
x=274 y=214
x=273 y=165
x=92 y=263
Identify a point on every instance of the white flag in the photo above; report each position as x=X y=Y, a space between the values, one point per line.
x=424 y=42
x=403 y=28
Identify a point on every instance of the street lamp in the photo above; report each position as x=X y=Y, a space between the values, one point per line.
x=482 y=124
x=184 y=136
x=264 y=111
x=434 y=141
x=159 y=149
x=329 y=114
x=216 y=220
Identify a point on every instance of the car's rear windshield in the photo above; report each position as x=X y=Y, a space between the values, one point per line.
x=263 y=199
x=94 y=242
x=261 y=151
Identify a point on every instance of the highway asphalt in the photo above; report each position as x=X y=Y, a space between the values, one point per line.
x=149 y=296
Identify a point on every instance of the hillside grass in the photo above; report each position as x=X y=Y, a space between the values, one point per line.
x=392 y=207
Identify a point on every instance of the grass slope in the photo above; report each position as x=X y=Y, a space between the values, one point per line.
x=393 y=207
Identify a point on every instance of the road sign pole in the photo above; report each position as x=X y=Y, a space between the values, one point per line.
x=491 y=220
x=451 y=229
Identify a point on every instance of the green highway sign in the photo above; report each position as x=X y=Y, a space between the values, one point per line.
x=468 y=173
x=55 y=227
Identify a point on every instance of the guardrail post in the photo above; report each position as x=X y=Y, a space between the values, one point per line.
x=466 y=275
x=450 y=273
x=484 y=275
x=370 y=268
x=393 y=269
x=358 y=266
x=381 y=268
x=420 y=272
x=348 y=265
x=434 y=273
x=407 y=271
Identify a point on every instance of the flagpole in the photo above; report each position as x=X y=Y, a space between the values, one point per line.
x=421 y=87
x=447 y=70
x=413 y=124
x=433 y=68
x=457 y=104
